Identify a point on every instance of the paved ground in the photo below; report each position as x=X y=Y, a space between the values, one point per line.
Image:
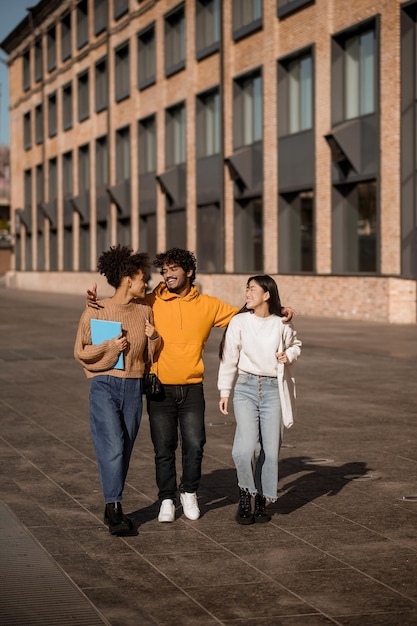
x=338 y=550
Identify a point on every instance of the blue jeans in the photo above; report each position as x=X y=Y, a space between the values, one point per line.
x=257 y=408
x=115 y=414
x=182 y=406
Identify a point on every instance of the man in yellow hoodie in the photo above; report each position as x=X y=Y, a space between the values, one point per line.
x=184 y=318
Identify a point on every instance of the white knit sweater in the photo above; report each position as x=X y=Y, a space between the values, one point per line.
x=250 y=346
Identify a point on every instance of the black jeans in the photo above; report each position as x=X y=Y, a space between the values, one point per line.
x=181 y=406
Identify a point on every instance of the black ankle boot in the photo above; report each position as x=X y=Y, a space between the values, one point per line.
x=261 y=515
x=244 y=512
x=114 y=518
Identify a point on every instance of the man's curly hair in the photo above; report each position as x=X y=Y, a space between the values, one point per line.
x=120 y=261
x=176 y=256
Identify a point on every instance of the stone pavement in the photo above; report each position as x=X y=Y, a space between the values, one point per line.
x=341 y=547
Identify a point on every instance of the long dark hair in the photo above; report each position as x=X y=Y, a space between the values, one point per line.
x=269 y=285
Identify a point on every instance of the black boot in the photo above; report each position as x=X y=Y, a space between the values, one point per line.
x=114 y=518
x=261 y=515
x=244 y=512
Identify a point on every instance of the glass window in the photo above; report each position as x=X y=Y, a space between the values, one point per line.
x=102 y=162
x=26 y=69
x=83 y=97
x=39 y=124
x=123 y=154
x=208 y=27
x=175 y=41
x=102 y=85
x=209 y=238
x=52 y=115
x=82 y=23
x=175 y=135
x=51 y=48
x=359 y=73
x=67 y=174
x=122 y=72
x=300 y=94
x=147 y=145
x=208 y=123
x=146 y=57
x=100 y=16
x=248 y=110
x=53 y=180
x=83 y=168
x=296 y=232
x=247 y=17
x=66 y=36
x=38 y=60
x=67 y=106
x=285 y=7
x=120 y=8
x=28 y=189
x=249 y=235
x=27 y=130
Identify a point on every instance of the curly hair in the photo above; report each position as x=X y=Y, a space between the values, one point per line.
x=176 y=256
x=120 y=261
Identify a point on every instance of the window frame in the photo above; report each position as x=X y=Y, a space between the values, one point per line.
x=241 y=30
x=122 y=71
x=200 y=11
x=169 y=37
x=143 y=48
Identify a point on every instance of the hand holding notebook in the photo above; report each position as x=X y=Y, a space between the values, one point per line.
x=102 y=330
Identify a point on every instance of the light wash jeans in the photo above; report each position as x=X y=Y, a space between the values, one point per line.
x=257 y=408
x=115 y=414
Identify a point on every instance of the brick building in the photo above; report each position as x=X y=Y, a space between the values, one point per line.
x=274 y=136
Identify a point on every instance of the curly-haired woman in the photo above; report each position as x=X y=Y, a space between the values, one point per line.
x=116 y=394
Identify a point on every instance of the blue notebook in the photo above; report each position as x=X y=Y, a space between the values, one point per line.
x=104 y=329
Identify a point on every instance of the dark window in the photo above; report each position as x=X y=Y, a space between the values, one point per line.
x=39 y=182
x=296 y=232
x=354 y=223
x=355 y=71
x=120 y=8
x=175 y=135
x=100 y=16
x=83 y=97
x=53 y=180
x=247 y=17
x=83 y=168
x=123 y=154
x=67 y=117
x=208 y=27
x=147 y=145
x=26 y=69
x=285 y=7
x=40 y=196
x=247 y=120
x=209 y=238
x=27 y=130
x=175 y=41
x=67 y=175
x=82 y=23
x=147 y=234
x=66 y=36
x=102 y=162
x=248 y=229
x=122 y=72
x=208 y=123
x=296 y=94
x=102 y=85
x=146 y=57
x=38 y=60
x=52 y=115
x=51 y=48
x=39 y=124
x=28 y=189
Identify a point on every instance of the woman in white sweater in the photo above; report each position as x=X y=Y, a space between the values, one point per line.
x=258 y=347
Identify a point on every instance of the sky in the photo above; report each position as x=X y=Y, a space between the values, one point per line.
x=11 y=13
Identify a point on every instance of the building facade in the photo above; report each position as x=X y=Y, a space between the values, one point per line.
x=274 y=136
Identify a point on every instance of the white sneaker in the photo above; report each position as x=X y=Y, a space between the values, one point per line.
x=189 y=505
x=167 y=511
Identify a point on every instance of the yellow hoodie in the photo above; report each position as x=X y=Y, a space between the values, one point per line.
x=184 y=325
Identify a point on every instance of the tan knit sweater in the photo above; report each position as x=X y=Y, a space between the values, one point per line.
x=100 y=359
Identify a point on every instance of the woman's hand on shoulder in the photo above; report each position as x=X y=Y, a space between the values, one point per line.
x=288 y=314
x=92 y=300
